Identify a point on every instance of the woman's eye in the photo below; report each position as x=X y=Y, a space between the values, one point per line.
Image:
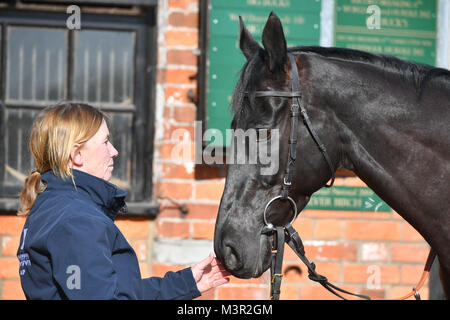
x=263 y=134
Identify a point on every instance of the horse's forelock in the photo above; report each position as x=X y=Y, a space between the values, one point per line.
x=245 y=86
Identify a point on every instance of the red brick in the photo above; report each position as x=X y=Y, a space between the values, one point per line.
x=182 y=133
x=167 y=114
x=175 y=190
x=180 y=76
x=374 y=293
x=328 y=229
x=354 y=182
x=242 y=293
x=177 y=95
x=339 y=181
x=338 y=251
x=376 y=215
x=182 y=57
x=202 y=211
x=208 y=295
x=183 y=19
x=289 y=291
x=140 y=247
x=317 y=292
x=178 y=171
x=161 y=75
x=411 y=274
x=209 y=190
x=289 y=255
x=356 y=273
x=409 y=252
x=168 y=209
x=184 y=114
x=9 y=268
x=195 y=210
x=374 y=251
x=396 y=216
x=191 y=5
x=172 y=229
x=144 y=269
x=330 y=270
x=304 y=227
x=133 y=228
x=160 y=269
x=180 y=151
x=373 y=230
x=186 y=38
x=11 y=225
x=12 y=290
x=203 y=230
x=411 y=234
x=329 y=214
x=10 y=245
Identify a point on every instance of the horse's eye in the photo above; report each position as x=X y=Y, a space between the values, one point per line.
x=263 y=134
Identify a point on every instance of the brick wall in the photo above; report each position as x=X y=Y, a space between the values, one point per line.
x=10 y=229
x=348 y=247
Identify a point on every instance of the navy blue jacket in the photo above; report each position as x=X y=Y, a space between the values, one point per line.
x=70 y=247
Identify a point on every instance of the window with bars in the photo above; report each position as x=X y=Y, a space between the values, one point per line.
x=106 y=64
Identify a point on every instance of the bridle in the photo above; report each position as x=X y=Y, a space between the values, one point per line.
x=287 y=233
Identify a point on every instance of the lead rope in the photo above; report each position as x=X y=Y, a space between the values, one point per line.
x=276 y=274
x=291 y=237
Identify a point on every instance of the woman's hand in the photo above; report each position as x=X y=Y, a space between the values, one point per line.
x=209 y=273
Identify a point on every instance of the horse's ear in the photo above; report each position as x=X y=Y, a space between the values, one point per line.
x=249 y=46
x=275 y=43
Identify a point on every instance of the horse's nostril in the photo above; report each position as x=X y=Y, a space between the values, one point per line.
x=231 y=258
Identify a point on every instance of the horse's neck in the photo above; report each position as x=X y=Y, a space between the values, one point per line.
x=390 y=144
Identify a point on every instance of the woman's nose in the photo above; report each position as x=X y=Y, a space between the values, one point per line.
x=113 y=151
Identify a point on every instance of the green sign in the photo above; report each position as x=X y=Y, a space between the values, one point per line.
x=301 y=24
x=405 y=29
x=347 y=199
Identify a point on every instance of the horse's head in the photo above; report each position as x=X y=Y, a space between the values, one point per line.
x=239 y=242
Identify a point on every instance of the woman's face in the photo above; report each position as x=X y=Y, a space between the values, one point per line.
x=97 y=155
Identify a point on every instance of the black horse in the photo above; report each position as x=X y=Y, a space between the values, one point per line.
x=385 y=119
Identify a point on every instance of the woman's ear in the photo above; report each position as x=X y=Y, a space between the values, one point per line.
x=76 y=159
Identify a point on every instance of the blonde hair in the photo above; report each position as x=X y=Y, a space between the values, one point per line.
x=55 y=130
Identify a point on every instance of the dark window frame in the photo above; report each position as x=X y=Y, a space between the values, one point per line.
x=141 y=189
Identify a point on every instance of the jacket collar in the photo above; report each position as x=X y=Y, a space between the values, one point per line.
x=106 y=195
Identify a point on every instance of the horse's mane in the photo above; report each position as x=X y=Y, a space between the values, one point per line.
x=419 y=74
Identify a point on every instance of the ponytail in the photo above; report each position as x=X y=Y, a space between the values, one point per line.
x=30 y=191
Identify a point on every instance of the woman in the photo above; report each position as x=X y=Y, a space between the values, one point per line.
x=70 y=247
